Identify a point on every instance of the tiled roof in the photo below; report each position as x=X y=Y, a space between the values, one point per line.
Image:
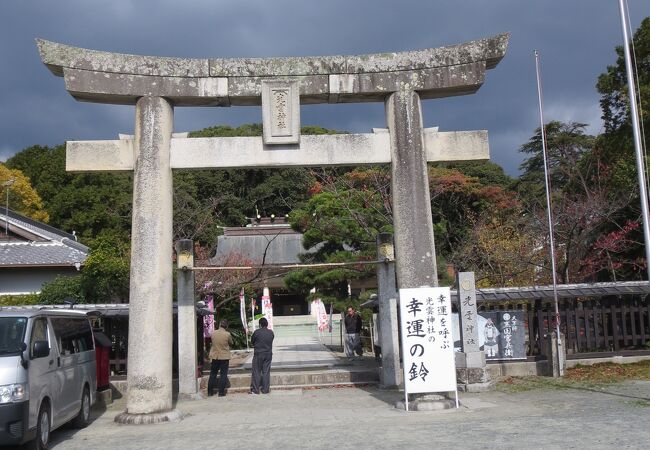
x=280 y=249
x=40 y=254
x=280 y=246
x=56 y=248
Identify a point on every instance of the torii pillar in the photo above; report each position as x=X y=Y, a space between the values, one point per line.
x=150 y=303
x=412 y=221
x=157 y=85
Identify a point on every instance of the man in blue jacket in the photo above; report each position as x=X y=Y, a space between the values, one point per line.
x=262 y=355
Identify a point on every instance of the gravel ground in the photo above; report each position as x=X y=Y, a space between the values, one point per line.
x=546 y=417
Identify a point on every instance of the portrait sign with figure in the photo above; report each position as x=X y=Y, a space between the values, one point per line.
x=504 y=334
x=501 y=334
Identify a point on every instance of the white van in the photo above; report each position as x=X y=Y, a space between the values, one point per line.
x=47 y=373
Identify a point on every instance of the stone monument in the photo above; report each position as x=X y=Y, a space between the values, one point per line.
x=471 y=369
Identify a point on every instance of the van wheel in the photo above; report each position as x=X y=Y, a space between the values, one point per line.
x=83 y=418
x=42 y=430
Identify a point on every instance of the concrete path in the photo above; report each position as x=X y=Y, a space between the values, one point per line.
x=548 y=418
x=298 y=352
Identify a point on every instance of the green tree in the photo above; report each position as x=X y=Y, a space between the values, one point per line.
x=348 y=209
x=567 y=144
x=617 y=152
x=503 y=250
x=457 y=200
x=104 y=277
x=340 y=223
x=61 y=290
x=616 y=142
x=612 y=85
x=585 y=202
x=21 y=196
x=105 y=274
x=91 y=204
x=99 y=204
x=238 y=194
x=489 y=173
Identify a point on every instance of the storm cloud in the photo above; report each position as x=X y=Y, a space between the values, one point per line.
x=576 y=40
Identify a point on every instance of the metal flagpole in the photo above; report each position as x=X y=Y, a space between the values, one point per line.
x=550 y=217
x=637 y=135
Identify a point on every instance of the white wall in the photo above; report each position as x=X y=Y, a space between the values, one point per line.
x=29 y=280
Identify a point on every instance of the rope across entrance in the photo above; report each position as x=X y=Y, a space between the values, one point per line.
x=287 y=266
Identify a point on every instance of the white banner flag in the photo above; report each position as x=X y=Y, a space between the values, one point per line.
x=242 y=310
x=267 y=307
x=208 y=320
x=318 y=310
x=253 y=313
x=322 y=316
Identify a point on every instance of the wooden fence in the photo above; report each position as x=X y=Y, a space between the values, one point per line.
x=592 y=327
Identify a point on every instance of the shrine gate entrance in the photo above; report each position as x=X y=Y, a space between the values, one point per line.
x=280 y=85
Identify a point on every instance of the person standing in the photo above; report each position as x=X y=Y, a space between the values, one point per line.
x=352 y=333
x=262 y=341
x=220 y=356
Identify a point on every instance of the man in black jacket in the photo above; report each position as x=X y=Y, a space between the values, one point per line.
x=262 y=355
x=352 y=333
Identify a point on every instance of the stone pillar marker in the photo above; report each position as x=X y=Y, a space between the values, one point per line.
x=187 y=352
x=149 y=373
x=471 y=369
x=391 y=374
x=468 y=312
x=414 y=245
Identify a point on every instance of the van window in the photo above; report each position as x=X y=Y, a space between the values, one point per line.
x=12 y=333
x=39 y=333
x=73 y=335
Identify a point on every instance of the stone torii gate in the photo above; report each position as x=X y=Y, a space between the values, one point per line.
x=156 y=85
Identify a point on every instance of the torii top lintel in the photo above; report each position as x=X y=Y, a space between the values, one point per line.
x=104 y=77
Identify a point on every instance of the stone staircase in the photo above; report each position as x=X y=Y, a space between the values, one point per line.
x=306 y=378
x=302 y=360
x=297 y=326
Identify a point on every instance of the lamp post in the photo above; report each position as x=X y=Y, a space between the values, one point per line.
x=7 y=184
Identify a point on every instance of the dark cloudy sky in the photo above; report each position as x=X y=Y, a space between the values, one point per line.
x=576 y=39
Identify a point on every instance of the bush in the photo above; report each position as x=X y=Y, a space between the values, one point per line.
x=18 y=300
x=61 y=289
